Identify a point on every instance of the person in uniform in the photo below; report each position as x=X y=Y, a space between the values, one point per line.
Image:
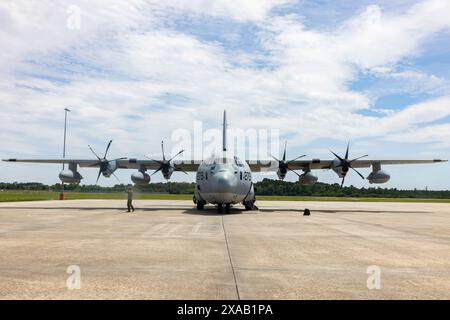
x=130 y=199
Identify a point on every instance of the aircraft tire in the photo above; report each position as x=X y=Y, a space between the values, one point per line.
x=200 y=205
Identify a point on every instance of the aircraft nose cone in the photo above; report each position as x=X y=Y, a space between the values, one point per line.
x=224 y=182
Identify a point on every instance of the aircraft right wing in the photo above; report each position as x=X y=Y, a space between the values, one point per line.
x=315 y=164
x=123 y=163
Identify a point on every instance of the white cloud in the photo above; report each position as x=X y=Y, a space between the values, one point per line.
x=429 y=134
x=248 y=10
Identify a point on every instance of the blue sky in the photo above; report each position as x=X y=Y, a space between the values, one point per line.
x=321 y=72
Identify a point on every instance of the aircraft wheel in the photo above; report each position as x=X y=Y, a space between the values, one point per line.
x=219 y=208
x=200 y=205
x=250 y=205
x=306 y=212
x=227 y=208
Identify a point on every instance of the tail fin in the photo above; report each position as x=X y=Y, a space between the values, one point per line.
x=224 y=133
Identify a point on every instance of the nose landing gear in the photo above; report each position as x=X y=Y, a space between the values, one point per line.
x=220 y=208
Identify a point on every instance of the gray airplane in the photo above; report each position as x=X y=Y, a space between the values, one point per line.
x=224 y=181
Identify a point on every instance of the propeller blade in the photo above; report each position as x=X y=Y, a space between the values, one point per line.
x=337 y=156
x=275 y=158
x=162 y=148
x=159 y=169
x=157 y=161
x=95 y=164
x=116 y=177
x=94 y=152
x=294 y=172
x=176 y=155
x=366 y=155
x=302 y=156
x=357 y=172
x=117 y=159
x=343 y=180
x=284 y=153
x=107 y=149
x=98 y=177
x=346 y=152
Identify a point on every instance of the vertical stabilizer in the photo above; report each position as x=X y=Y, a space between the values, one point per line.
x=224 y=133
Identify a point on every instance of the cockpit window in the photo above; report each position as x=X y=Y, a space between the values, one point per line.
x=238 y=162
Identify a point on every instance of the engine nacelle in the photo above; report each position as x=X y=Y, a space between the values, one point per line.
x=308 y=178
x=378 y=177
x=167 y=173
x=140 y=177
x=281 y=174
x=69 y=176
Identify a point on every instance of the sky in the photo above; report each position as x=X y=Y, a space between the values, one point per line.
x=320 y=73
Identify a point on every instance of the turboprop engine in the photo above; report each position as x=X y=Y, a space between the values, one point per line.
x=165 y=166
x=283 y=164
x=106 y=167
x=140 y=177
x=308 y=178
x=342 y=165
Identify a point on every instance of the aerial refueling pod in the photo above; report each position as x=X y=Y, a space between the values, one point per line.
x=140 y=177
x=308 y=178
x=71 y=175
x=377 y=175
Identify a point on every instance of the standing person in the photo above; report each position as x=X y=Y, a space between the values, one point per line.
x=130 y=199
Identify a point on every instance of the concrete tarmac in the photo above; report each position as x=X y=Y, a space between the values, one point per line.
x=169 y=250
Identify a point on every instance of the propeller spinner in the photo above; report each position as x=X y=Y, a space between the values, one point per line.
x=283 y=165
x=346 y=164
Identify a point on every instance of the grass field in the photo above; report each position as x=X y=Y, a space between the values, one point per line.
x=12 y=196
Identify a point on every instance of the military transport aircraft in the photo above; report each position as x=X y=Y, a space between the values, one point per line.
x=225 y=180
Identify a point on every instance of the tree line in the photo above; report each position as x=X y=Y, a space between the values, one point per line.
x=264 y=187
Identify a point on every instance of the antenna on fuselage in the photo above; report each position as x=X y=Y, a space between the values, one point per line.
x=224 y=135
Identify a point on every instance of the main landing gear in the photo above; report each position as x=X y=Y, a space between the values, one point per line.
x=200 y=204
x=250 y=205
x=306 y=212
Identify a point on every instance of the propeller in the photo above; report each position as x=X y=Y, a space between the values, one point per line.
x=104 y=162
x=283 y=165
x=166 y=165
x=346 y=164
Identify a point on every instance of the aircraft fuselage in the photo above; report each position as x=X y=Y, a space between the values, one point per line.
x=224 y=181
